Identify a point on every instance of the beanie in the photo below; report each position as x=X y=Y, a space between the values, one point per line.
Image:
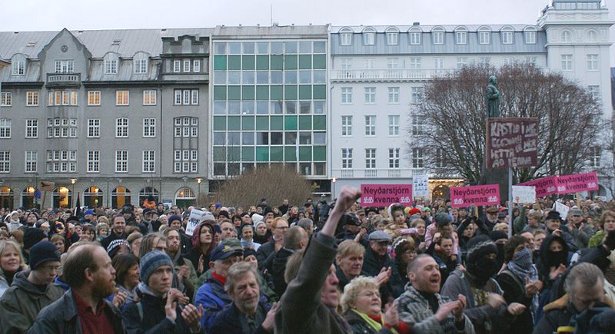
x=174 y=218
x=442 y=219
x=152 y=261
x=31 y=236
x=42 y=252
x=114 y=246
x=479 y=246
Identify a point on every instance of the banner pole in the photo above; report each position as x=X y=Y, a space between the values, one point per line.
x=510 y=202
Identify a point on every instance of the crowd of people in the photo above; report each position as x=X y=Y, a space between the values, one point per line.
x=310 y=268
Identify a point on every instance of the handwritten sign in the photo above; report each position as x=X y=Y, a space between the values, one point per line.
x=380 y=195
x=524 y=194
x=420 y=186
x=564 y=184
x=512 y=142
x=193 y=220
x=488 y=194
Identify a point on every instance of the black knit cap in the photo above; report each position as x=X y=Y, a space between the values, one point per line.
x=42 y=252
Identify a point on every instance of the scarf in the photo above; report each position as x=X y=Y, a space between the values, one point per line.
x=521 y=265
x=375 y=324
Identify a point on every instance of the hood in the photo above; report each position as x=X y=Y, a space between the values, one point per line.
x=21 y=280
x=544 y=248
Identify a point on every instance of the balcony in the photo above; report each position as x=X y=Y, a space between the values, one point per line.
x=387 y=75
x=381 y=173
x=63 y=79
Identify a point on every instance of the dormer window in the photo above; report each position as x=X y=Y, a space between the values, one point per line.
x=415 y=37
x=140 y=63
x=392 y=36
x=110 y=63
x=530 y=35
x=437 y=35
x=345 y=36
x=484 y=35
x=507 y=35
x=18 y=65
x=369 y=36
x=65 y=66
x=461 y=36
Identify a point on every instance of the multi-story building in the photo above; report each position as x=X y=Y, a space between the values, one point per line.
x=378 y=73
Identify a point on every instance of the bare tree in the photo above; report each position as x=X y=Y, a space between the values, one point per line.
x=274 y=183
x=455 y=111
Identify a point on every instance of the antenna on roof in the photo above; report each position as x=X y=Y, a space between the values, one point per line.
x=271 y=14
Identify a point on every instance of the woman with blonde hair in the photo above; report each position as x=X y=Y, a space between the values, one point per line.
x=11 y=262
x=362 y=309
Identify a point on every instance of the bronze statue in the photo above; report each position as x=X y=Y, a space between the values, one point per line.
x=493 y=98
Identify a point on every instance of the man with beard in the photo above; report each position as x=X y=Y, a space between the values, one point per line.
x=486 y=307
x=249 y=312
x=150 y=221
x=117 y=231
x=83 y=309
x=424 y=309
x=161 y=309
x=186 y=277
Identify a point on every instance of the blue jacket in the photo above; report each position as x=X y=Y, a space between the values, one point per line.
x=213 y=298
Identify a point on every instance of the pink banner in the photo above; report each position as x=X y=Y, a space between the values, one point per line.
x=544 y=186
x=488 y=194
x=380 y=195
x=567 y=184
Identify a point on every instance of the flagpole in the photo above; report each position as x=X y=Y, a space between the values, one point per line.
x=510 y=202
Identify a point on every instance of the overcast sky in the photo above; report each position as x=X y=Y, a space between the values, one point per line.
x=20 y=15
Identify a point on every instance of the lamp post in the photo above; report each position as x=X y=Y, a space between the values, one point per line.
x=72 y=181
x=198 y=196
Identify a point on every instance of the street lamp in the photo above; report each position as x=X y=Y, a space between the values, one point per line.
x=73 y=181
x=198 y=196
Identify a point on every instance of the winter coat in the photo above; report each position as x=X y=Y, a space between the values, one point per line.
x=558 y=313
x=22 y=302
x=213 y=298
x=231 y=321
x=61 y=317
x=359 y=326
x=514 y=292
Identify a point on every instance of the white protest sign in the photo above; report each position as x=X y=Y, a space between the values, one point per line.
x=524 y=194
x=420 y=186
x=562 y=209
x=193 y=220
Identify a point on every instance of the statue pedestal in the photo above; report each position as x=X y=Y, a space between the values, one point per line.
x=500 y=177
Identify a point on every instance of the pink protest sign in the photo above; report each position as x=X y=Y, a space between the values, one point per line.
x=488 y=194
x=378 y=195
x=567 y=184
x=544 y=186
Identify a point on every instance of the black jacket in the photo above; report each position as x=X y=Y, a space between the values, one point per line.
x=61 y=317
x=230 y=320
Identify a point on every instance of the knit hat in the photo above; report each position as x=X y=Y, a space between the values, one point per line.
x=442 y=219
x=208 y=216
x=256 y=218
x=553 y=215
x=89 y=212
x=479 y=246
x=173 y=218
x=42 y=252
x=114 y=246
x=248 y=251
x=31 y=236
x=152 y=261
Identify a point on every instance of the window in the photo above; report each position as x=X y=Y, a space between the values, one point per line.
x=392 y=36
x=415 y=37
x=566 y=62
x=370 y=95
x=416 y=95
x=187 y=65
x=65 y=66
x=186 y=97
x=5 y=128
x=93 y=98
x=122 y=98
x=6 y=99
x=149 y=161
x=186 y=161
x=62 y=128
x=592 y=36
x=594 y=91
x=414 y=63
x=370 y=125
x=369 y=36
x=345 y=36
x=595 y=154
x=18 y=67
x=418 y=161
x=346 y=125
x=121 y=128
x=392 y=63
x=461 y=62
x=417 y=126
x=461 y=36
x=140 y=65
x=32 y=128
x=507 y=35
x=61 y=161
x=186 y=127
x=31 y=98
x=592 y=62
x=370 y=63
x=370 y=158
x=484 y=36
x=437 y=35
x=196 y=66
x=5 y=164
x=62 y=98
x=93 y=128
x=566 y=36
x=393 y=95
x=149 y=97
x=149 y=127
x=346 y=158
x=346 y=95
x=93 y=161
x=31 y=161
x=441 y=159
x=393 y=125
x=177 y=65
x=110 y=66
x=394 y=158
x=484 y=60
x=438 y=63
x=530 y=36
x=121 y=161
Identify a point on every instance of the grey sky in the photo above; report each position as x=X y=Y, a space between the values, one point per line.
x=121 y=14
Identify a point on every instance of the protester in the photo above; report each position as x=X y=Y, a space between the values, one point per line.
x=11 y=262
x=117 y=231
x=202 y=246
x=349 y=261
x=127 y=275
